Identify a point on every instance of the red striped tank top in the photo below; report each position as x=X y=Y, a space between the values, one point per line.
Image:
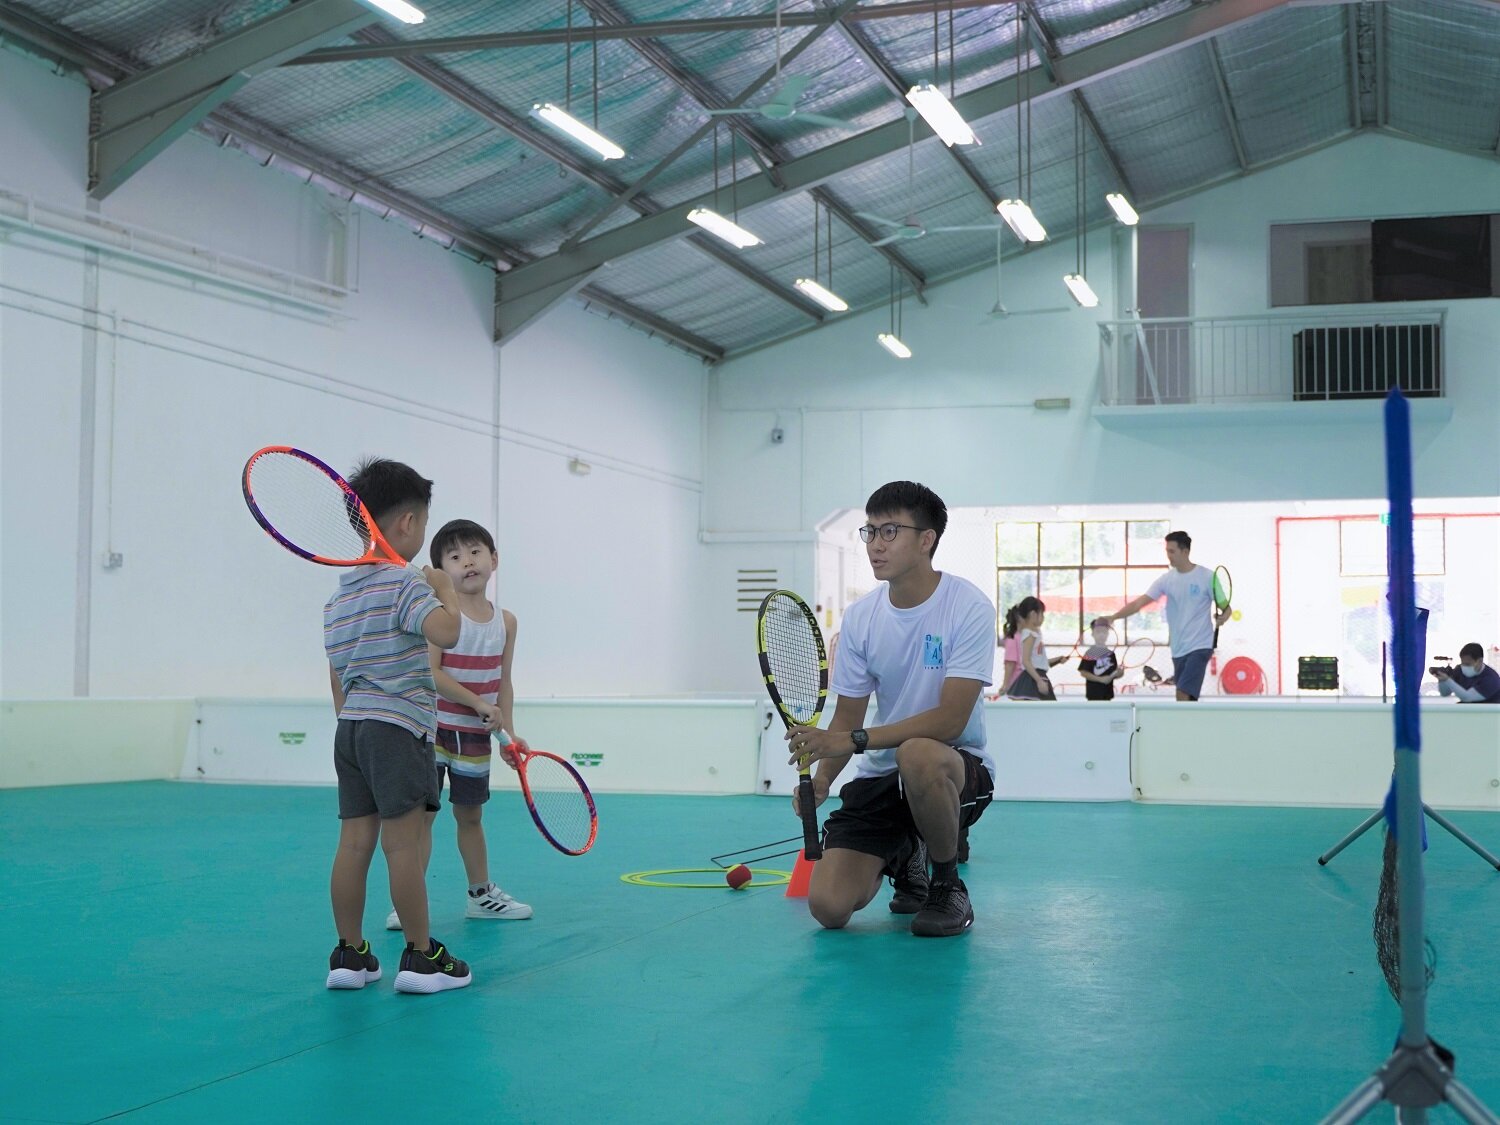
x=474 y=662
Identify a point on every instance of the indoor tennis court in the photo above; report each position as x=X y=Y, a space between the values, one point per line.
x=643 y=301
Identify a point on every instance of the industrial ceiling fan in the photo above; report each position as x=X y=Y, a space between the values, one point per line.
x=783 y=103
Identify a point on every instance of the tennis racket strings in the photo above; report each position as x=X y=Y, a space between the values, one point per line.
x=559 y=802
x=298 y=501
x=794 y=658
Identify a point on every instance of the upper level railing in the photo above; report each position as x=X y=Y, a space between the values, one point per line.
x=1288 y=357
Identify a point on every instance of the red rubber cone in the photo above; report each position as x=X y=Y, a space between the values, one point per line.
x=801 y=877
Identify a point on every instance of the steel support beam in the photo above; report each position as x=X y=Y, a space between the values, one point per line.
x=1226 y=103
x=706 y=350
x=133 y=120
x=479 y=103
x=657 y=29
x=1120 y=53
x=860 y=41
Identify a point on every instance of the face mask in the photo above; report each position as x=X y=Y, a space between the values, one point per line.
x=1470 y=672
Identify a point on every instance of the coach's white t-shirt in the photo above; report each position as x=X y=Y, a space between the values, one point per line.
x=1189 y=600
x=904 y=655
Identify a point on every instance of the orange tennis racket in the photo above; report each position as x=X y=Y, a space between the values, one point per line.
x=312 y=511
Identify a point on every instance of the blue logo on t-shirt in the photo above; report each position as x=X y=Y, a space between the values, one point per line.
x=932 y=651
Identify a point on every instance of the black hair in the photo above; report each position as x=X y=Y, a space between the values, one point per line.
x=1023 y=608
x=1181 y=538
x=389 y=487
x=459 y=533
x=925 y=505
x=1471 y=651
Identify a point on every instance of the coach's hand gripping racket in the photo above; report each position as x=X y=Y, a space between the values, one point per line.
x=795 y=667
x=312 y=511
x=1223 y=594
x=560 y=803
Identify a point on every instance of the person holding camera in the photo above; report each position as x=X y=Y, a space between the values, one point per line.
x=1473 y=681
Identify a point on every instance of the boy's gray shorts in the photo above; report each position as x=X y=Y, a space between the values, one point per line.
x=382 y=768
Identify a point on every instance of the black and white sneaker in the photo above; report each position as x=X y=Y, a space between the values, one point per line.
x=436 y=970
x=912 y=883
x=947 y=911
x=352 y=968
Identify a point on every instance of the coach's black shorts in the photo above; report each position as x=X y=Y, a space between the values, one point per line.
x=876 y=820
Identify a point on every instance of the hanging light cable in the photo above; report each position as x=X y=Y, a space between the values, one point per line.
x=1077 y=282
x=1015 y=211
x=824 y=295
x=562 y=119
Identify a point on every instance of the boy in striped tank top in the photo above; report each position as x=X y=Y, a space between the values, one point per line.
x=475 y=696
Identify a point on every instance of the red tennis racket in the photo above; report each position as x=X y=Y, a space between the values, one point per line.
x=312 y=511
x=560 y=803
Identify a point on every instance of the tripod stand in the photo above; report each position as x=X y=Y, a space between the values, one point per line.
x=1436 y=817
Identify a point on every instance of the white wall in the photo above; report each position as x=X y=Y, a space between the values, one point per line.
x=131 y=397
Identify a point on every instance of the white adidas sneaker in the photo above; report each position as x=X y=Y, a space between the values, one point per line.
x=495 y=903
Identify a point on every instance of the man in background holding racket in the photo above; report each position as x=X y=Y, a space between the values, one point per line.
x=1191 y=621
x=924 y=644
x=376 y=630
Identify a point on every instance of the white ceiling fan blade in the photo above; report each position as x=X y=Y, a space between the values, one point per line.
x=881 y=219
x=830 y=122
x=888 y=239
x=791 y=90
x=730 y=112
x=986 y=226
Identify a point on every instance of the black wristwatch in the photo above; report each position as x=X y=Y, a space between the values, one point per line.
x=861 y=740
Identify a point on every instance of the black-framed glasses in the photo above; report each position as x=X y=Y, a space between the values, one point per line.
x=887 y=531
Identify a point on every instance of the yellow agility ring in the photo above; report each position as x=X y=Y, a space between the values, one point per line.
x=760 y=877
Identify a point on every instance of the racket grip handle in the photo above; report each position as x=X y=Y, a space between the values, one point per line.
x=807 y=803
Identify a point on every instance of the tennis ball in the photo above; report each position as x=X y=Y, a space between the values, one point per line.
x=1235 y=616
x=737 y=876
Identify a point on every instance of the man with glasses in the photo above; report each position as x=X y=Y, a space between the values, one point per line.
x=924 y=644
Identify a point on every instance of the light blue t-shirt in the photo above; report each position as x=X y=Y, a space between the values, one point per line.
x=1190 y=601
x=904 y=655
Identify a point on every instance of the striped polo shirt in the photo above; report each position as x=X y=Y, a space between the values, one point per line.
x=372 y=632
x=475 y=662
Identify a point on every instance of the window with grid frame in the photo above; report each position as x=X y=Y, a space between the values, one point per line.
x=1081 y=569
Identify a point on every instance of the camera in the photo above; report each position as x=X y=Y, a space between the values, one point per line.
x=1436 y=668
x=778 y=435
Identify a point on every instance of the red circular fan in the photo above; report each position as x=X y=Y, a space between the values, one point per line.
x=1242 y=676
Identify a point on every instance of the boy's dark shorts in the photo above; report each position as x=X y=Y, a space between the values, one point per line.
x=875 y=819
x=383 y=769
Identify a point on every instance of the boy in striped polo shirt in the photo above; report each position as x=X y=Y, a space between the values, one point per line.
x=475 y=695
x=376 y=629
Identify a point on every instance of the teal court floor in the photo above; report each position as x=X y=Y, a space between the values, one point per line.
x=168 y=944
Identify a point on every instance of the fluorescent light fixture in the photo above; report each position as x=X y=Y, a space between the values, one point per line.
x=1082 y=292
x=828 y=299
x=1052 y=403
x=938 y=112
x=1019 y=218
x=717 y=224
x=1122 y=208
x=893 y=345
x=403 y=11
x=580 y=466
x=565 y=122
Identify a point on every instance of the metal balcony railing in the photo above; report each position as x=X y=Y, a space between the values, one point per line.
x=1275 y=358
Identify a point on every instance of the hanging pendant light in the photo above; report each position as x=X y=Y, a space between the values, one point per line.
x=1077 y=282
x=562 y=119
x=1015 y=211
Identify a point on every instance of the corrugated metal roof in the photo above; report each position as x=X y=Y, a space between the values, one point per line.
x=1289 y=80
